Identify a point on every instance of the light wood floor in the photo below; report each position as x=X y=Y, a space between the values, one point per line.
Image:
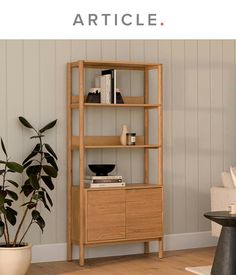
x=173 y=263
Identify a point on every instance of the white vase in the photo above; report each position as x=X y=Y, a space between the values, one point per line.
x=15 y=260
x=123 y=134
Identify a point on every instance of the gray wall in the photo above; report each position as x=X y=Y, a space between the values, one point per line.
x=199 y=116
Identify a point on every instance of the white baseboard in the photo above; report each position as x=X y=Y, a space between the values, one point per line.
x=57 y=252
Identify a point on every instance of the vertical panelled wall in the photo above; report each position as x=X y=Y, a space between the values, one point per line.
x=199 y=117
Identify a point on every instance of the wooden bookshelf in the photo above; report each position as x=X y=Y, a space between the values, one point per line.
x=134 y=213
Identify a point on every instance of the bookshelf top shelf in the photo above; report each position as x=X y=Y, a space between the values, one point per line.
x=116 y=65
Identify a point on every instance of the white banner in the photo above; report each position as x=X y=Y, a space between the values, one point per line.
x=106 y=19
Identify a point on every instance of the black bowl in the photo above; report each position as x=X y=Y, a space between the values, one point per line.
x=101 y=169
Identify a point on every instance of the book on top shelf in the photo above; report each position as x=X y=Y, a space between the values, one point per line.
x=105 y=82
x=112 y=73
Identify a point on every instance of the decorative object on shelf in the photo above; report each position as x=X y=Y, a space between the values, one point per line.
x=40 y=167
x=101 y=169
x=119 y=98
x=232 y=208
x=94 y=95
x=123 y=134
x=131 y=138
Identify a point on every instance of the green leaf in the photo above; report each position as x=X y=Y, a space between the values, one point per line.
x=9 y=202
x=33 y=170
x=27 y=190
x=49 y=199
x=25 y=122
x=34 y=182
x=2 y=225
x=51 y=160
x=48 y=126
x=13 y=183
x=49 y=170
x=11 y=215
x=33 y=153
x=27 y=164
x=3 y=195
x=35 y=214
x=10 y=171
x=48 y=181
x=42 y=198
x=49 y=149
x=3 y=147
x=15 y=166
x=41 y=223
x=11 y=210
x=12 y=194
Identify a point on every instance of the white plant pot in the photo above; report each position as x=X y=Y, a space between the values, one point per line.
x=15 y=260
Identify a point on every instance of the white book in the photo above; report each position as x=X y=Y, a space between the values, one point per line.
x=112 y=184
x=112 y=86
x=105 y=89
x=108 y=89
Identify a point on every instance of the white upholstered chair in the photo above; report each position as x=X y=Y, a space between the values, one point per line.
x=223 y=196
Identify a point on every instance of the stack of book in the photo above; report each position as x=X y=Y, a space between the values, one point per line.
x=104 y=181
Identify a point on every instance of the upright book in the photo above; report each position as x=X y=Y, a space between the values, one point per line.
x=112 y=72
x=105 y=82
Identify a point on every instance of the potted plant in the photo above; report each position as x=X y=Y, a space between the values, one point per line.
x=39 y=169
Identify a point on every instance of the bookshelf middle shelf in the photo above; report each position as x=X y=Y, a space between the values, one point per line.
x=96 y=142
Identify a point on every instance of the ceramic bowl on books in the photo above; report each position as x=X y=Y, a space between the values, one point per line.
x=101 y=169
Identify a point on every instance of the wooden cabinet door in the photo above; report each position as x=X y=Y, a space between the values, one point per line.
x=144 y=213
x=105 y=215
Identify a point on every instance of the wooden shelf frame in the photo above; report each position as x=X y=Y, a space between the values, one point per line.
x=76 y=194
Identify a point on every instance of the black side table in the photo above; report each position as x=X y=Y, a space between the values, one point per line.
x=225 y=256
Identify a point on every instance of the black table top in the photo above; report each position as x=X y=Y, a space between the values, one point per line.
x=223 y=218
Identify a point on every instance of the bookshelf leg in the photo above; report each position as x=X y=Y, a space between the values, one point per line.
x=81 y=255
x=69 y=251
x=160 y=254
x=146 y=248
